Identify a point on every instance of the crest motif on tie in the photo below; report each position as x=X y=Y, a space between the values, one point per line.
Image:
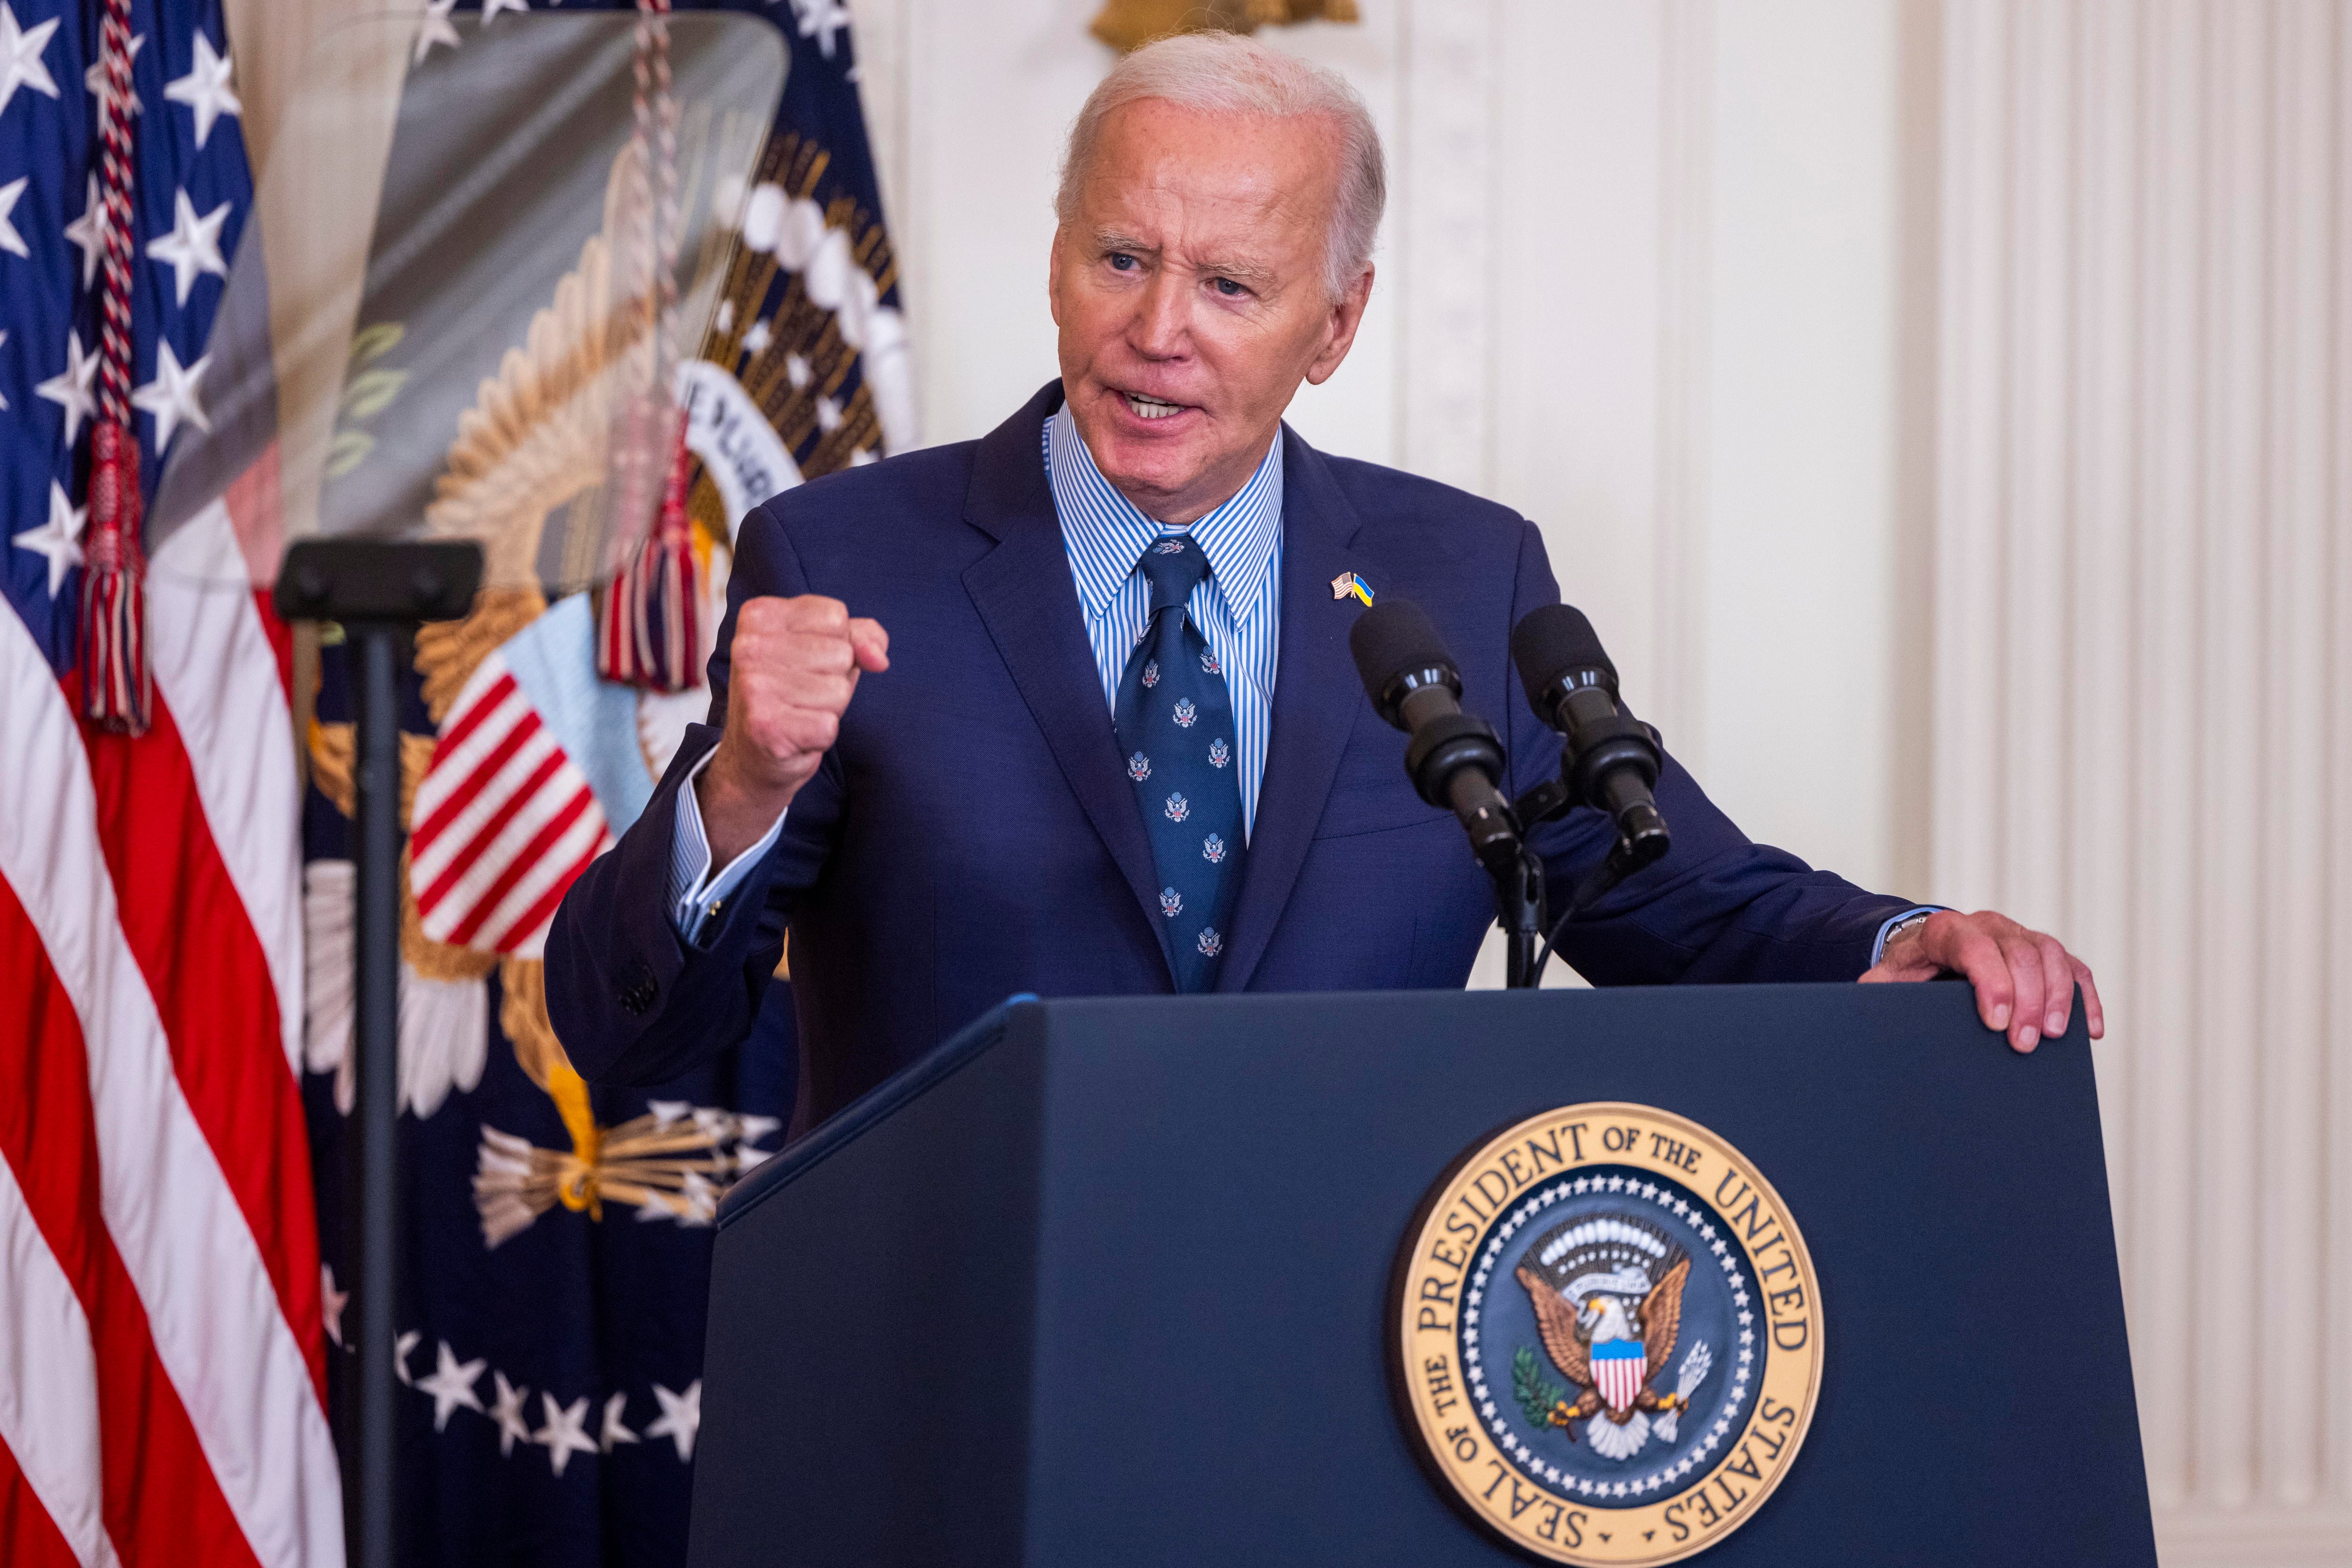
x=1219 y=754
x=1209 y=666
x=1209 y=944
x=1171 y=902
x=1178 y=807
x=1186 y=715
x=1213 y=850
x=1139 y=768
x=1150 y=672
x=1170 y=547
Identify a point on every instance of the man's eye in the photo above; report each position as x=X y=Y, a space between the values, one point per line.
x=1229 y=289
x=1122 y=262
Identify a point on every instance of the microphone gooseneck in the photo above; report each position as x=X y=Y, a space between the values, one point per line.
x=1609 y=759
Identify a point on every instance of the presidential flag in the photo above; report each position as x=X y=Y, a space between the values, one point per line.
x=162 y=1369
x=558 y=1234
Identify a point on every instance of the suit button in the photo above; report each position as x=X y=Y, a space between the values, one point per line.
x=638 y=989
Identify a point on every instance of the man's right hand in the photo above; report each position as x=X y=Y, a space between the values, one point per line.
x=794 y=665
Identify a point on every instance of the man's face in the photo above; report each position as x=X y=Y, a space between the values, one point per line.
x=1188 y=287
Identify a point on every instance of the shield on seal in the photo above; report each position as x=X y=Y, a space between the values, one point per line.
x=1618 y=1367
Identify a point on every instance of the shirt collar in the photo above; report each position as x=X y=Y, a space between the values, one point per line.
x=1106 y=534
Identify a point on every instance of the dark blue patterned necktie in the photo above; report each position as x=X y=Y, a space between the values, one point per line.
x=1175 y=722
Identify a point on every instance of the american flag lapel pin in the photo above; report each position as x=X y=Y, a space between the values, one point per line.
x=1348 y=584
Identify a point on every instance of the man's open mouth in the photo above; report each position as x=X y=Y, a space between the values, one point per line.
x=1151 y=407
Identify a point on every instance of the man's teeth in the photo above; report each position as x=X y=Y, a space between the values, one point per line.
x=1151 y=407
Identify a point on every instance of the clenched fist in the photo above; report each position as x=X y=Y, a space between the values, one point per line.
x=794 y=666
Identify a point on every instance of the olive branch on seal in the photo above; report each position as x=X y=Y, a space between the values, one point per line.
x=1537 y=1394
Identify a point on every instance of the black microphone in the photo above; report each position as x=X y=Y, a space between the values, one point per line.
x=1612 y=759
x=1453 y=759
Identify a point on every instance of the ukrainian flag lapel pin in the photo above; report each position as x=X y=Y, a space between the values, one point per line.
x=1348 y=584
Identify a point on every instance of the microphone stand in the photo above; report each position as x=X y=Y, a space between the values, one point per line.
x=380 y=591
x=1630 y=853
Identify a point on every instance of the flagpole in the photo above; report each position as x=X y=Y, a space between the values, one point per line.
x=380 y=592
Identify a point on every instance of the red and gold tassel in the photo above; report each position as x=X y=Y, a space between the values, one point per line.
x=648 y=633
x=115 y=682
x=651 y=634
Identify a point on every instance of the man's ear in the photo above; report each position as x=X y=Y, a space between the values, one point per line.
x=1053 y=277
x=1347 y=315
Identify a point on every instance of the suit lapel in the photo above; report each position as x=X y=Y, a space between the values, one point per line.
x=1315 y=694
x=1025 y=594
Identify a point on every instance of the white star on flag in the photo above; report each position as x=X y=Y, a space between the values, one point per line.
x=451 y=1384
x=434 y=27
x=10 y=240
x=492 y=7
x=756 y=340
x=330 y=1303
x=20 y=57
x=89 y=231
x=94 y=78
x=401 y=1348
x=205 y=90
x=170 y=397
x=681 y=1418
x=821 y=19
x=69 y=389
x=193 y=246
x=615 y=1408
x=59 y=538
x=563 y=1435
x=508 y=1413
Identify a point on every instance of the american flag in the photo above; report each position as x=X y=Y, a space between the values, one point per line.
x=161 y=1368
x=504 y=822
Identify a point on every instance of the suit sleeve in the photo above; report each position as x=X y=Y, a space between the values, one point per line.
x=632 y=1001
x=1718 y=907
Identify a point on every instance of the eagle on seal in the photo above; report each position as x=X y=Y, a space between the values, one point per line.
x=1608 y=1298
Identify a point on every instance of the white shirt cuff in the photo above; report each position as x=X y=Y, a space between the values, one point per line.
x=694 y=896
x=1878 y=949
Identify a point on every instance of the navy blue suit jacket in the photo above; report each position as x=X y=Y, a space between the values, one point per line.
x=973 y=833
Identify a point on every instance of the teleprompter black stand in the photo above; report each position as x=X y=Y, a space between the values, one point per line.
x=380 y=592
x=1107 y=1281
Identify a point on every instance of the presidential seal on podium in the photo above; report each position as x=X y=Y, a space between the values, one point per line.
x=1606 y=1335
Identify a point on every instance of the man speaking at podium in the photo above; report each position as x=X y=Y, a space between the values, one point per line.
x=1069 y=709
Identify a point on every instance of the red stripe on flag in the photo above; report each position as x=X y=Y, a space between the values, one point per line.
x=281 y=640
x=531 y=918
x=210 y=980
x=476 y=780
x=163 y=1505
x=519 y=866
x=27 y=1535
x=480 y=838
x=476 y=712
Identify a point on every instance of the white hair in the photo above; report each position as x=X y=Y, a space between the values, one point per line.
x=1226 y=73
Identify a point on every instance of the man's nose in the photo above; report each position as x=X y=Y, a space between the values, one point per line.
x=1163 y=324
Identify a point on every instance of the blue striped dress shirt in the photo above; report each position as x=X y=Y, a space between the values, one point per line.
x=1237 y=607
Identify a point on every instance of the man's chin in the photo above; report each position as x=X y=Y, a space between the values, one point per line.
x=1149 y=467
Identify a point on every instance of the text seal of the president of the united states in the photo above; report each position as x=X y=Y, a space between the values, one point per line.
x=1606 y=1335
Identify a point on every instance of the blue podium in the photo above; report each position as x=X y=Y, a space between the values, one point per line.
x=1118 y=1282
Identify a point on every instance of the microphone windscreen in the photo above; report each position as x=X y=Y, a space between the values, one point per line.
x=1554 y=640
x=1389 y=639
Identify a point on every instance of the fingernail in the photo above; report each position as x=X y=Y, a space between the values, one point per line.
x=2000 y=1015
x=2028 y=1038
x=2055 y=1024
